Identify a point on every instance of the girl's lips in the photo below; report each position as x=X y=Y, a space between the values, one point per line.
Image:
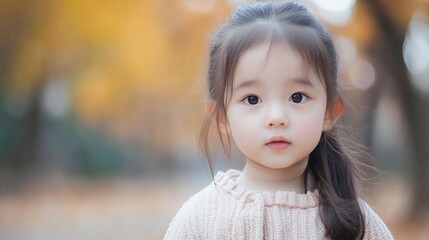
x=278 y=143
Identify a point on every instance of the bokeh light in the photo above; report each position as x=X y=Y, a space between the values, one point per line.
x=336 y=12
x=362 y=74
x=346 y=49
x=200 y=6
x=416 y=53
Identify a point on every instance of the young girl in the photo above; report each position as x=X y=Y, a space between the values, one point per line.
x=273 y=90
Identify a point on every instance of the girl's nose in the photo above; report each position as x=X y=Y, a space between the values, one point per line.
x=277 y=121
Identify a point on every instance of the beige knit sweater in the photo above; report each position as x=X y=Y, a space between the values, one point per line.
x=226 y=210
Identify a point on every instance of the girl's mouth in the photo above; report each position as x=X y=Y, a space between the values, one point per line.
x=278 y=143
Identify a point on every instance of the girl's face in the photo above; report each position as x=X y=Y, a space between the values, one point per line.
x=277 y=109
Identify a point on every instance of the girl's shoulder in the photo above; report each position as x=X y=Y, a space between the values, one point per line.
x=375 y=228
x=218 y=190
x=196 y=214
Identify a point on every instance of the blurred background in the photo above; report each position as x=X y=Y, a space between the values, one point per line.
x=100 y=109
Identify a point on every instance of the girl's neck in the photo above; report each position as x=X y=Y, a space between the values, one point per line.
x=260 y=178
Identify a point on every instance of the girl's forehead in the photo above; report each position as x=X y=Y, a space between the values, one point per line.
x=266 y=51
x=271 y=58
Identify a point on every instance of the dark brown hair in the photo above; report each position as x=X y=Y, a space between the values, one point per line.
x=333 y=166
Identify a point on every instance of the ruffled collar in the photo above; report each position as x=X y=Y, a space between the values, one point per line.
x=226 y=181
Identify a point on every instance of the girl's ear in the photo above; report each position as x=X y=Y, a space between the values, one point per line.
x=209 y=106
x=331 y=117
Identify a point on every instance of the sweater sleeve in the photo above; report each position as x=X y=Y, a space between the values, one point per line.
x=183 y=224
x=374 y=226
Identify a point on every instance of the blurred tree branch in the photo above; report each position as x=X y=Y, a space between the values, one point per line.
x=16 y=24
x=387 y=50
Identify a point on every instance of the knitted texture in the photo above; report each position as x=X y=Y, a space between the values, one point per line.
x=226 y=210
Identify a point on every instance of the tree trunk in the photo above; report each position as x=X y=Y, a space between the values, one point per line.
x=387 y=50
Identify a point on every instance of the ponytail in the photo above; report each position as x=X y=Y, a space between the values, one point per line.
x=334 y=170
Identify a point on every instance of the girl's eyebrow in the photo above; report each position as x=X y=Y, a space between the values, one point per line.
x=247 y=83
x=303 y=81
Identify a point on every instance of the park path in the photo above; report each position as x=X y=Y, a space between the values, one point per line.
x=75 y=209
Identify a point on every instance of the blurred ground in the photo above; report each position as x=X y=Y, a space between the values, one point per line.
x=76 y=209
x=58 y=208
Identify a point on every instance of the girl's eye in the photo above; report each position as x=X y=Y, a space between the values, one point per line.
x=252 y=100
x=298 y=98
